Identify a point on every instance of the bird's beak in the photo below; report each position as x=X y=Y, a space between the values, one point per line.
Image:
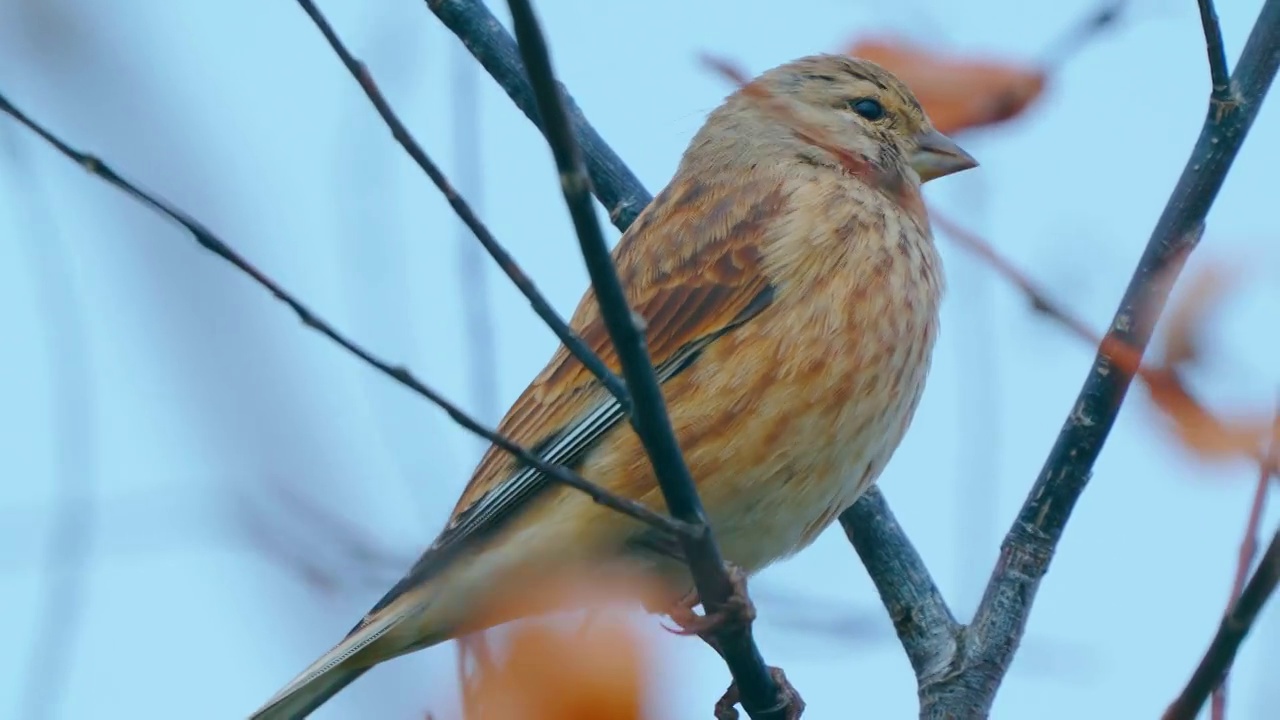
x=937 y=155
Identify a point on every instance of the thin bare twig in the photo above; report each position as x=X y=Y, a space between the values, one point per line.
x=401 y=375
x=473 y=659
x=571 y=340
x=758 y=692
x=1231 y=633
x=1081 y=33
x=1219 y=70
x=1249 y=548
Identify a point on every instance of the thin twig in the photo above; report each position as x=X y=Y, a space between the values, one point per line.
x=1078 y=35
x=758 y=691
x=1219 y=71
x=998 y=625
x=481 y=346
x=571 y=340
x=1039 y=299
x=401 y=375
x=1235 y=626
x=1249 y=547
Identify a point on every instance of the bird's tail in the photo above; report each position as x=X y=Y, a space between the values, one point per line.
x=334 y=671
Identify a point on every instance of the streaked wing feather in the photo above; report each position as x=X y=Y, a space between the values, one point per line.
x=691 y=266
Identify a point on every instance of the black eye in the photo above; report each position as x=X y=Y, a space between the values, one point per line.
x=868 y=108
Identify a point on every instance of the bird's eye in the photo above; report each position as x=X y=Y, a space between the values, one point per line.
x=868 y=108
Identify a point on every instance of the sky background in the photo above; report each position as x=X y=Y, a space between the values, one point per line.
x=191 y=419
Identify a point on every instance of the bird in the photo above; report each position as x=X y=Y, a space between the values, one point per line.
x=789 y=289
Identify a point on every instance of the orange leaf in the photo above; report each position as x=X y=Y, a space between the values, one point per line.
x=958 y=93
x=600 y=669
x=1210 y=436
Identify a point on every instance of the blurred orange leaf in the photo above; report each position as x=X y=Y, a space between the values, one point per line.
x=1210 y=435
x=556 y=673
x=958 y=93
x=599 y=669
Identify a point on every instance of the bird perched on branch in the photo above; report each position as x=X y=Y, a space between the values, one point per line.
x=789 y=286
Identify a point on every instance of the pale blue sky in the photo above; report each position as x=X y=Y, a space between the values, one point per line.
x=197 y=390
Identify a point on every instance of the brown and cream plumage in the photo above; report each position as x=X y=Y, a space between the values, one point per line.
x=791 y=307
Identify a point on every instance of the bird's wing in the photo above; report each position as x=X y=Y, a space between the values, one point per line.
x=691 y=266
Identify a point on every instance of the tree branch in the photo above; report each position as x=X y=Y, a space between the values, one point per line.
x=571 y=341
x=924 y=624
x=1231 y=633
x=401 y=375
x=758 y=691
x=997 y=627
x=1249 y=546
x=1219 y=72
x=612 y=181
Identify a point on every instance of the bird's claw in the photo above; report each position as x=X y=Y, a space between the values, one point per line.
x=788 y=699
x=737 y=610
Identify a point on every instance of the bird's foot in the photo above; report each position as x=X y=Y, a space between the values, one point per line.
x=788 y=699
x=737 y=610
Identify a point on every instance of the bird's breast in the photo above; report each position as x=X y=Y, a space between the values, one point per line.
x=790 y=418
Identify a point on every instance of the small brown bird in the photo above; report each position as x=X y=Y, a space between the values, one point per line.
x=791 y=308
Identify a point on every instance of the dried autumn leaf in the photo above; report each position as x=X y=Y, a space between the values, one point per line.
x=958 y=93
x=1208 y=435
x=1201 y=431
x=1189 y=316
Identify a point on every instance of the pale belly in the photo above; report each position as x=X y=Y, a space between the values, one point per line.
x=780 y=451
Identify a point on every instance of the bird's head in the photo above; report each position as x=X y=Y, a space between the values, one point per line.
x=860 y=107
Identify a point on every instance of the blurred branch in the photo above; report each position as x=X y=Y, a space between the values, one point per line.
x=754 y=683
x=75 y=517
x=1082 y=33
x=473 y=658
x=993 y=636
x=1231 y=633
x=406 y=140
x=401 y=375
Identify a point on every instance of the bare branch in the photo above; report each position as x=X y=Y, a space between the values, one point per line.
x=921 y=618
x=1079 y=34
x=1249 y=547
x=401 y=375
x=758 y=691
x=571 y=340
x=612 y=181
x=1231 y=633
x=1219 y=72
